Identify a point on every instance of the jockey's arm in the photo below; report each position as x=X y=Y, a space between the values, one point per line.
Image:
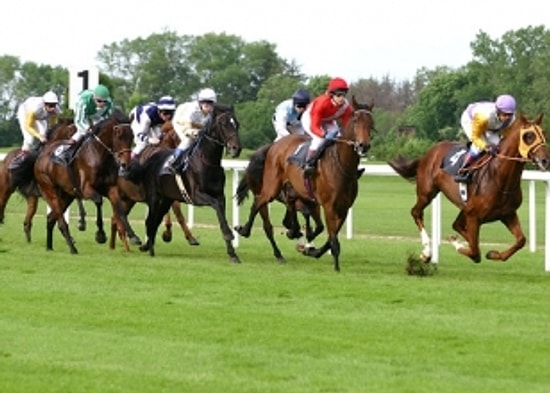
x=30 y=121
x=479 y=126
x=81 y=121
x=141 y=129
x=316 y=122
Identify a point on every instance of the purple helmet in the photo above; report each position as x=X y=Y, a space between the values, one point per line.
x=301 y=97
x=506 y=103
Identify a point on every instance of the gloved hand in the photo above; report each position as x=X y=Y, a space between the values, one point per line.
x=493 y=150
x=154 y=140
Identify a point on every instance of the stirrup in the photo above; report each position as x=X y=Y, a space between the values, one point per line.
x=463 y=177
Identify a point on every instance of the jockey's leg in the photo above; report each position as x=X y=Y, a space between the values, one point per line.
x=178 y=161
x=64 y=153
x=315 y=150
x=463 y=176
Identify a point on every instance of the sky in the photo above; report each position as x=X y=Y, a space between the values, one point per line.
x=354 y=40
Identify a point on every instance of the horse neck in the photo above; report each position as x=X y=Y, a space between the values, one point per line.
x=508 y=168
x=210 y=151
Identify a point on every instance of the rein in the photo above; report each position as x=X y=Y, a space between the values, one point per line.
x=113 y=153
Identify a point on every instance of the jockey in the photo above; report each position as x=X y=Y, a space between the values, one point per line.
x=189 y=119
x=320 y=119
x=35 y=115
x=147 y=119
x=288 y=113
x=483 y=124
x=92 y=107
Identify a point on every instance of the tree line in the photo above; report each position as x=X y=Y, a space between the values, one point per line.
x=410 y=115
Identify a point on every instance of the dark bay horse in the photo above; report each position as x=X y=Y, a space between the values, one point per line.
x=252 y=180
x=92 y=174
x=22 y=179
x=202 y=184
x=494 y=195
x=131 y=193
x=334 y=186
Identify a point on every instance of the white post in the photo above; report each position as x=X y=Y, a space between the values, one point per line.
x=349 y=224
x=190 y=216
x=436 y=227
x=532 y=218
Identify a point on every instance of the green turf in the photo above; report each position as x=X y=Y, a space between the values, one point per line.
x=186 y=320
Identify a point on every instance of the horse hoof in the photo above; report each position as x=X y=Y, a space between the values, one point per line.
x=100 y=237
x=234 y=260
x=192 y=241
x=241 y=231
x=136 y=241
x=144 y=247
x=167 y=237
x=81 y=226
x=425 y=258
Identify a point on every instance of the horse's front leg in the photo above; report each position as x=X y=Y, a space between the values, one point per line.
x=512 y=223
x=218 y=204
x=157 y=210
x=56 y=215
x=417 y=213
x=120 y=213
x=468 y=227
x=81 y=215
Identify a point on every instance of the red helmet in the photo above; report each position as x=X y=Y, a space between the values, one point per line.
x=337 y=84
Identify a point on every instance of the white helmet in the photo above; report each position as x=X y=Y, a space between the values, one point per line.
x=207 y=95
x=50 y=98
x=166 y=103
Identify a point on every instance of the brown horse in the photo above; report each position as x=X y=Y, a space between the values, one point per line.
x=252 y=180
x=334 y=186
x=92 y=174
x=131 y=192
x=494 y=194
x=22 y=179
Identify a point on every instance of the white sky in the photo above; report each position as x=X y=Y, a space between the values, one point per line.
x=362 y=39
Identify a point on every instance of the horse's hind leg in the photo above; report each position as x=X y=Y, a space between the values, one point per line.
x=514 y=226
x=176 y=208
x=32 y=204
x=468 y=228
x=268 y=230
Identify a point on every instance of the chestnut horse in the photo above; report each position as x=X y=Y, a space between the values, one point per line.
x=202 y=183
x=91 y=174
x=252 y=180
x=495 y=192
x=131 y=192
x=334 y=186
x=22 y=179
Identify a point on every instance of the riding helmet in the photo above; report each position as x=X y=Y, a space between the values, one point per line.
x=102 y=92
x=301 y=97
x=337 y=85
x=506 y=103
x=207 y=95
x=166 y=103
x=50 y=98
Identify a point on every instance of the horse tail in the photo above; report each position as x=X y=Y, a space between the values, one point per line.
x=405 y=167
x=253 y=175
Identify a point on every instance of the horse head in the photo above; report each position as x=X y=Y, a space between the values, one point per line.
x=224 y=129
x=360 y=127
x=169 y=137
x=115 y=136
x=530 y=142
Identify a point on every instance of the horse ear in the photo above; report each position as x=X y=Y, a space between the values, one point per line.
x=371 y=104
x=538 y=120
x=354 y=102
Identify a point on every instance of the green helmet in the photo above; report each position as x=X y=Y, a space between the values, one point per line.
x=102 y=92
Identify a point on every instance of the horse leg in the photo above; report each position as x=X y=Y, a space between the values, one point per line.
x=58 y=207
x=5 y=193
x=167 y=234
x=245 y=230
x=81 y=215
x=32 y=204
x=268 y=230
x=423 y=199
x=334 y=222
x=100 y=236
x=468 y=228
x=157 y=210
x=176 y=208
x=512 y=223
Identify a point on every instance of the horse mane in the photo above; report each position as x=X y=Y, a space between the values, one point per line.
x=120 y=116
x=223 y=108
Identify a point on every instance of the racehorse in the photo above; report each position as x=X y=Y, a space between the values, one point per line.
x=91 y=174
x=334 y=185
x=495 y=191
x=201 y=184
x=252 y=180
x=131 y=192
x=22 y=179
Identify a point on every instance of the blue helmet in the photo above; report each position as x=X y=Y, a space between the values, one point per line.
x=166 y=103
x=301 y=97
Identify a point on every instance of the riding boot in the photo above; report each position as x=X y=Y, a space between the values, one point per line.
x=64 y=153
x=311 y=161
x=175 y=163
x=18 y=160
x=463 y=175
